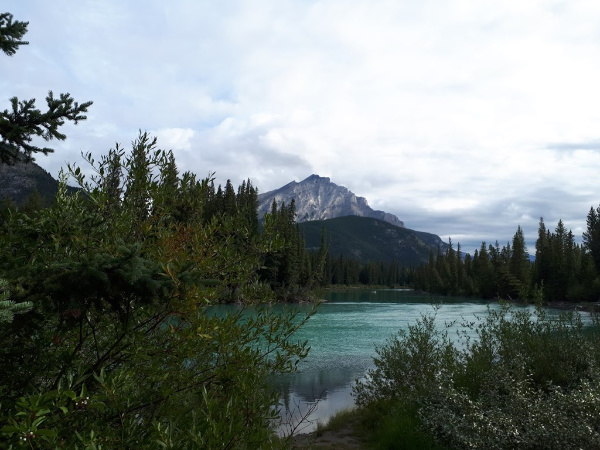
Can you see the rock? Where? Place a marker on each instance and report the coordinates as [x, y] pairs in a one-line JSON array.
[[317, 198]]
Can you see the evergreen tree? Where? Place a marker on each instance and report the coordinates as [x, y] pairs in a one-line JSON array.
[[247, 201], [9, 308], [229, 200], [23, 122], [319, 266], [140, 178], [542, 254], [519, 261], [591, 236], [484, 273]]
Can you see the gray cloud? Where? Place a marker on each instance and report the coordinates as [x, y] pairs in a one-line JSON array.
[[569, 146]]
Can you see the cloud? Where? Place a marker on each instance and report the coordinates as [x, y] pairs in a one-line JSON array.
[[464, 118], [175, 138], [570, 146]]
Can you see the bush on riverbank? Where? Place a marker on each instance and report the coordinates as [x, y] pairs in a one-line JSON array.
[[528, 380]]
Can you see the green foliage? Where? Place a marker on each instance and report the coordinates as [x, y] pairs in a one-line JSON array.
[[391, 426], [526, 381], [122, 349], [368, 239], [11, 34], [591, 237], [290, 270], [8, 308], [567, 270]]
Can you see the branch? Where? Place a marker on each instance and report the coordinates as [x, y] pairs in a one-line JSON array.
[[23, 122], [11, 34]]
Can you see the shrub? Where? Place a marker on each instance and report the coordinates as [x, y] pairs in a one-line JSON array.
[[528, 380]]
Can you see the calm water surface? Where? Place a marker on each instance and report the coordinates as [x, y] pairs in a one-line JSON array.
[[343, 335]]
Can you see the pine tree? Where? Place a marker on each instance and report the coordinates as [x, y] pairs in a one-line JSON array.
[[591, 236], [542, 254], [519, 259], [484, 273], [23, 122], [229, 200]]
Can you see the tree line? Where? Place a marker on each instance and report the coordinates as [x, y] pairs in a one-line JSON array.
[[562, 270]]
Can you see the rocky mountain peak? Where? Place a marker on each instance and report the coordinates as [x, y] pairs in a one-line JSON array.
[[317, 198]]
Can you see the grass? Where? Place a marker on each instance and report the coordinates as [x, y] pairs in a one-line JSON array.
[[382, 426], [391, 425], [338, 421]]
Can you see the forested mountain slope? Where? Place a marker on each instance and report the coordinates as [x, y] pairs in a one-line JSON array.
[[369, 239]]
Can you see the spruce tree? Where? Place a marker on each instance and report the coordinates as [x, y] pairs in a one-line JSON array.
[[23, 121], [591, 236], [519, 259]]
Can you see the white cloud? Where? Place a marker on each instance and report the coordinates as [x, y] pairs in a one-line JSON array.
[[175, 138], [440, 112]]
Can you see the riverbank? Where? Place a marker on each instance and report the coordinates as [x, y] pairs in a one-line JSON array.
[[343, 431], [354, 433], [592, 307]]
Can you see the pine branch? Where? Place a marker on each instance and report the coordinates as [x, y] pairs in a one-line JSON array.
[[23, 122], [8, 308], [11, 34]]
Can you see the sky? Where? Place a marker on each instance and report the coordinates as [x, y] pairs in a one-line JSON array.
[[465, 118]]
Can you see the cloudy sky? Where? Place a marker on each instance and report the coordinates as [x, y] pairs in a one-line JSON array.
[[465, 118]]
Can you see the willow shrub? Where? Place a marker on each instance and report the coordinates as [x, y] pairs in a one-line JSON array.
[[528, 380]]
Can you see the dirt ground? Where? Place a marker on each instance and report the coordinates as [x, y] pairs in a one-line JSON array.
[[343, 438]]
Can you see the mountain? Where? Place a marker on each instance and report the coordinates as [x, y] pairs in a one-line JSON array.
[[317, 198], [19, 181], [370, 239]]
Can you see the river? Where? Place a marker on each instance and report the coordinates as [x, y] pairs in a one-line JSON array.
[[343, 335]]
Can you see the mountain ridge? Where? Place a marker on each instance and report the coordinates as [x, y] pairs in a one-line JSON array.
[[317, 198], [19, 181]]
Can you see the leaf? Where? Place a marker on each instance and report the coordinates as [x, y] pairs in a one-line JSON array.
[[45, 432], [70, 394], [37, 422]]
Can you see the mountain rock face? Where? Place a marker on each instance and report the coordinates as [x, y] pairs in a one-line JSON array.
[[19, 181], [317, 198]]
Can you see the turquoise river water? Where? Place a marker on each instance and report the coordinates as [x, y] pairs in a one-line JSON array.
[[343, 335]]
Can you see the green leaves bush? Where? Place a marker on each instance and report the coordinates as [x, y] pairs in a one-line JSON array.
[[528, 380], [120, 350]]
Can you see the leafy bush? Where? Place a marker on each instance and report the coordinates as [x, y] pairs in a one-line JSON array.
[[119, 350], [527, 380]]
